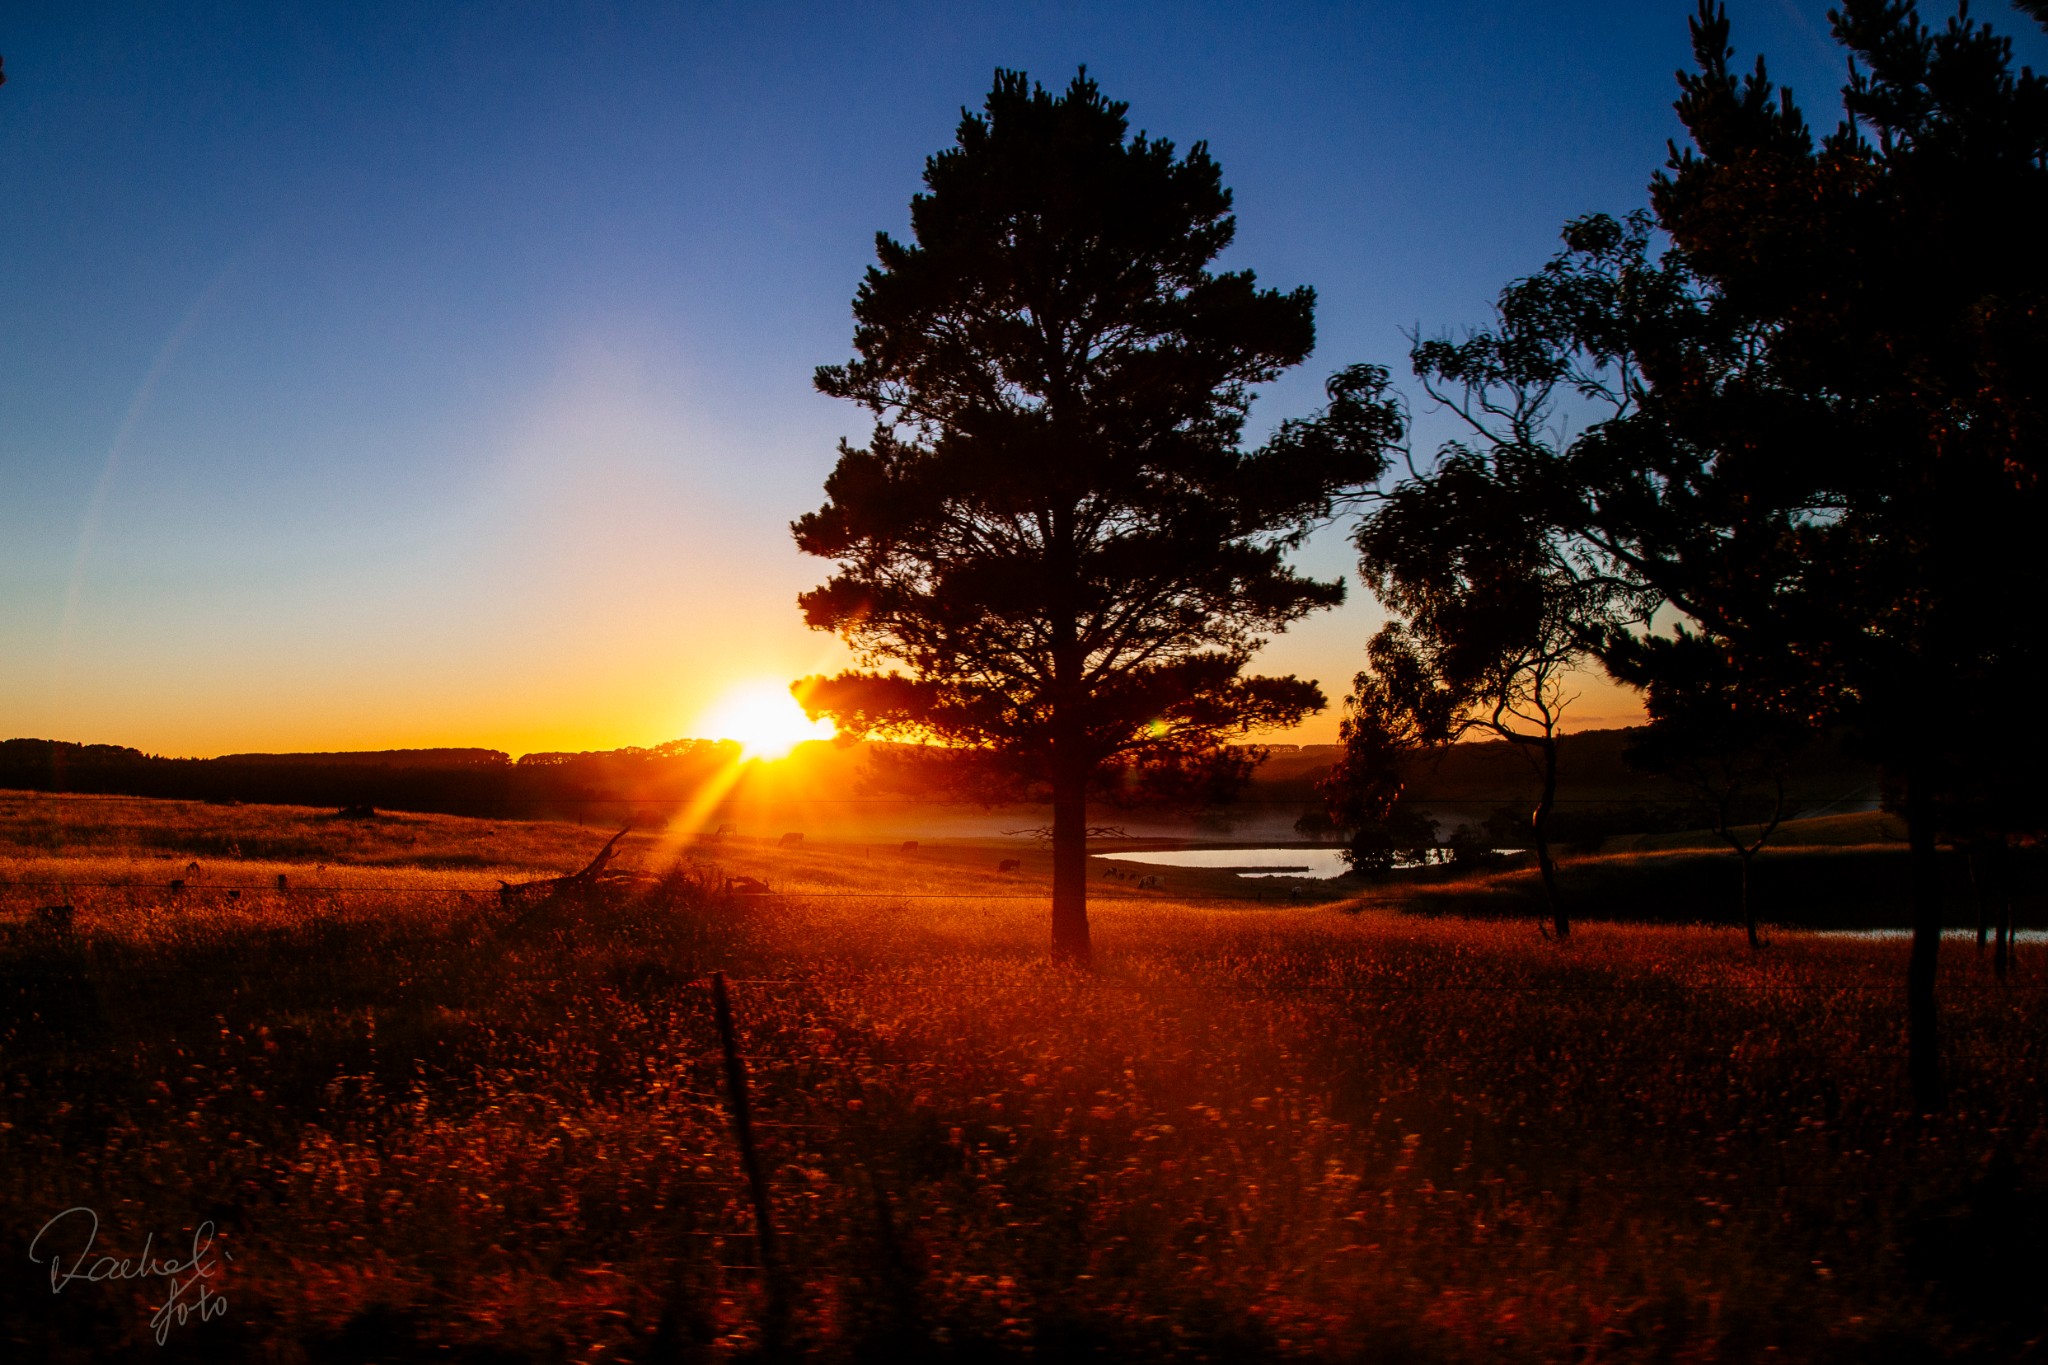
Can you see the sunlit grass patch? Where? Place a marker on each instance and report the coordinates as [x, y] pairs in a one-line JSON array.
[[66, 827]]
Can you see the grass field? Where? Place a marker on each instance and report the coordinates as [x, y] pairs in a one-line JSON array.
[[432, 1127]]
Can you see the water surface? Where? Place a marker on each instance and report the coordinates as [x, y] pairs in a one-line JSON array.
[[1319, 864]]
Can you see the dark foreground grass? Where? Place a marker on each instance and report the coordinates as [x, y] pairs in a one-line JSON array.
[[430, 1129]]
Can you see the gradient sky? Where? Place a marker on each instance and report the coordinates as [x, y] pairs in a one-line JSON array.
[[396, 375]]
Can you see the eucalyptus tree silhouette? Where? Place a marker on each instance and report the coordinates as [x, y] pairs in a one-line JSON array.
[[1498, 596], [1496, 613], [1054, 552]]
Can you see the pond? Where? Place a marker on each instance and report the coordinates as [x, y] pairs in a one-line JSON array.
[[1312, 862], [1316, 863]]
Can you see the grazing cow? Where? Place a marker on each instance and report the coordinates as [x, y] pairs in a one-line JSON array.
[[1009, 864], [909, 846], [790, 840], [177, 883], [192, 869], [1115, 872], [1151, 884], [746, 886], [283, 882], [1295, 893]]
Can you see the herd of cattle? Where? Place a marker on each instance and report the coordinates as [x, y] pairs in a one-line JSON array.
[[794, 839], [743, 886], [1143, 881]]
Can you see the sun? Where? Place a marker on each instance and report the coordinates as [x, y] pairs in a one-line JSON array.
[[765, 720]]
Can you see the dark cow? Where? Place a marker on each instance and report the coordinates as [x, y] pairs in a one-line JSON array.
[[790, 840], [1009, 864]]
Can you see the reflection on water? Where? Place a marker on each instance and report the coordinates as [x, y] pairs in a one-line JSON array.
[[1316, 863], [2019, 935], [1313, 863]]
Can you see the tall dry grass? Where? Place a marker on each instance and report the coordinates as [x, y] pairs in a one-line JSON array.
[[430, 1127]]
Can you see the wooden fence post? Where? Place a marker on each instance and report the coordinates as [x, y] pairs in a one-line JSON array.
[[775, 1318]]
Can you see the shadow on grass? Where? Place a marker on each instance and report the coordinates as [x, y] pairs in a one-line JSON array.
[[1853, 887]]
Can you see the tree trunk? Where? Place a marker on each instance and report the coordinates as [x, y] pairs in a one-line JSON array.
[[2001, 952], [1923, 1036], [1975, 863], [1069, 859], [1071, 766], [2001, 908], [1748, 910], [1539, 828]]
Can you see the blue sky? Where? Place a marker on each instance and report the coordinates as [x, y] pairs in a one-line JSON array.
[[375, 375]]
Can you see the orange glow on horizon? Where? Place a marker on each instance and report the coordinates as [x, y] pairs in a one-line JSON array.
[[764, 719]]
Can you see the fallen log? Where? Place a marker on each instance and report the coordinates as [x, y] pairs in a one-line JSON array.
[[592, 878]]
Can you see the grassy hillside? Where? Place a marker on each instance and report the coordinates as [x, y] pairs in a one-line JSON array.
[[429, 1126], [1805, 887], [1868, 829]]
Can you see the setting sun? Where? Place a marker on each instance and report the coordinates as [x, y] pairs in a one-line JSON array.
[[765, 720]]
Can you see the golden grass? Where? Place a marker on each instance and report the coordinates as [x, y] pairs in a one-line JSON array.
[[63, 828], [433, 1128]]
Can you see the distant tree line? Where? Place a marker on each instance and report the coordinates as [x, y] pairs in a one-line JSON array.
[[481, 782]]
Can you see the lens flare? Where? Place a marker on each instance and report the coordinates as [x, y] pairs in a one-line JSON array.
[[765, 720]]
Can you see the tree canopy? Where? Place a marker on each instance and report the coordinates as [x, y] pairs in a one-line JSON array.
[[1889, 422], [1055, 551], [1818, 422]]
